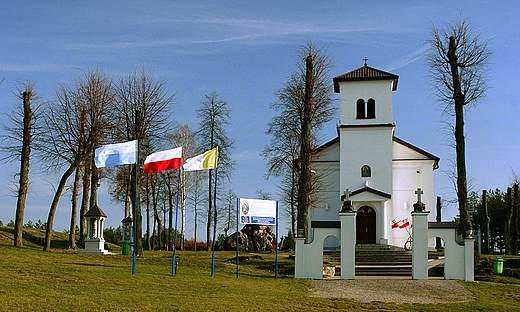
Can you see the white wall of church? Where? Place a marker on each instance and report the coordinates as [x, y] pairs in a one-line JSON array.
[[380, 91], [408, 176], [366, 146]]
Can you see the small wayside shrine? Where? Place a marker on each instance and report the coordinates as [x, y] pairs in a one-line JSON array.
[[370, 179], [95, 242]]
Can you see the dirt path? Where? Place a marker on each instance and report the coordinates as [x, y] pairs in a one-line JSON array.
[[392, 290]]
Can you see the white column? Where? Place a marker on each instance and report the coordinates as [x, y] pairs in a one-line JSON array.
[[95, 228], [469, 261], [101, 225], [299, 258], [90, 235], [348, 245], [384, 237], [420, 245]]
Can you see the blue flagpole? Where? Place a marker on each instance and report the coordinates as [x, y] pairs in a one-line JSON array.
[[214, 225], [174, 264], [237, 234], [276, 246]]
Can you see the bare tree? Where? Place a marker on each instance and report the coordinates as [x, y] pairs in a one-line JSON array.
[[458, 61], [195, 197], [73, 123], [143, 111], [228, 209], [183, 136], [18, 138], [214, 116], [305, 105]]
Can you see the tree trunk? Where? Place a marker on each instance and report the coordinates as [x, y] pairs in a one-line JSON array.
[[148, 236], [507, 222], [87, 175], [54, 205], [195, 216], [514, 222], [458, 97], [138, 219], [438, 218], [74, 212], [487, 232], [305, 152], [24, 169], [183, 211]]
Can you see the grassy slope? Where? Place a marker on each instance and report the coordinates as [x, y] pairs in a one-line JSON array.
[[33, 280]]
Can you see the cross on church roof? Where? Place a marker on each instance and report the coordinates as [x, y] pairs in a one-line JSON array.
[[419, 192], [365, 60]]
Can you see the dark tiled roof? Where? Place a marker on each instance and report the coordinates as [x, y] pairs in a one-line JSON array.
[[365, 73], [95, 211]]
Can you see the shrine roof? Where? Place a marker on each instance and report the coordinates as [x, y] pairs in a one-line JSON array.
[[95, 211]]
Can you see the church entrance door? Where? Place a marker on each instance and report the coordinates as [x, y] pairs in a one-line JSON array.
[[366, 225]]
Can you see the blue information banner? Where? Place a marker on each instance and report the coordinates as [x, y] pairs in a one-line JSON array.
[[256, 211]]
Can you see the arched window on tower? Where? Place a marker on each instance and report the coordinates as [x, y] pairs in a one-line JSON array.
[[371, 109], [366, 171], [360, 109]]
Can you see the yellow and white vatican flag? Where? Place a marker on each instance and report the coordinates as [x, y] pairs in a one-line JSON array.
[[208, 160]]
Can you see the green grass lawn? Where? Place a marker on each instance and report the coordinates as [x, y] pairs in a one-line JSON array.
[[62, 280]]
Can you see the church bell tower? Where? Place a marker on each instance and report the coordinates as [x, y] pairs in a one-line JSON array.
[[366, 128]]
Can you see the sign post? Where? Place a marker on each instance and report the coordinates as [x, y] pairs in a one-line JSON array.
[[258, 212]]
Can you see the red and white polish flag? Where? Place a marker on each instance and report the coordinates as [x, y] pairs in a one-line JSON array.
[[395, 223], [164, 160]]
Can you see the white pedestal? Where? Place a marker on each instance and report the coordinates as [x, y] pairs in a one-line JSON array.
[[94, 246]]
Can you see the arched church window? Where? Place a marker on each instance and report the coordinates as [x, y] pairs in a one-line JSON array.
[[371, 109], [360, 109], [366, 172]]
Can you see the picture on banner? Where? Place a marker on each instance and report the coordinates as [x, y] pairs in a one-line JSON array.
[[256, 211]]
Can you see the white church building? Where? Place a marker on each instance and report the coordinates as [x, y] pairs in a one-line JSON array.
[[367, 164]]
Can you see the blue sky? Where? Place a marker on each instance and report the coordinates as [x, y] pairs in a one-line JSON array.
[[245, 50]]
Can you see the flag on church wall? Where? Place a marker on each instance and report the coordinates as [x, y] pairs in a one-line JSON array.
[[116, 154], [208, 160], [164, 160]]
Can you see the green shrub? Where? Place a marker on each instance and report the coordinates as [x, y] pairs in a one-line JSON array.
[[511, 272], [513, 263]]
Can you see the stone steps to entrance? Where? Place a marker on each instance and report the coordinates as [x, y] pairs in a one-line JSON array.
[[374, 260]]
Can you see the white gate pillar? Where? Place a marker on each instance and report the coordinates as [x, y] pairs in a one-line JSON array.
[[469, 260], [420, 245], [348, 244]]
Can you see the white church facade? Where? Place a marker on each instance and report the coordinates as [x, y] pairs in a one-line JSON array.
[[366, 164]]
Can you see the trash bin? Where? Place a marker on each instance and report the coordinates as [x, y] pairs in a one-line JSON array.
[[125, 248], [498, 265]]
